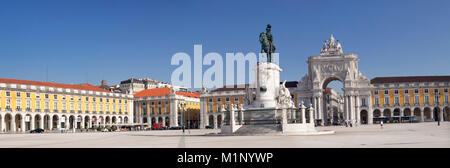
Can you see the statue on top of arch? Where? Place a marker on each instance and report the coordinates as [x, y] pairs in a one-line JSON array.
[[331, 47]]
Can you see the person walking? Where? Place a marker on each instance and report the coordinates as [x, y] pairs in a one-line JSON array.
[[381, 124]]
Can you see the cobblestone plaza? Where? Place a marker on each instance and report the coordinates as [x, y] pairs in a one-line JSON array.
[[418, 135]]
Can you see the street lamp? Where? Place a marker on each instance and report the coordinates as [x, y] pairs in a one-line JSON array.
[[437, 104], [183, 105]]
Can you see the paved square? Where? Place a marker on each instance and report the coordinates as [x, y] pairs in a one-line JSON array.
[[371, 136]]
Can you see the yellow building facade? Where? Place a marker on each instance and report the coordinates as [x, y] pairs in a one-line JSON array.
[[414, 99], [160, 108], [27, 105]]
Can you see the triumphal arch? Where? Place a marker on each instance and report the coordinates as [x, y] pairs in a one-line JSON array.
[[332, 64]]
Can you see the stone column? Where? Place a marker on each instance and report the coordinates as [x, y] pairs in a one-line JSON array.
[[320, 112], [311, 111], [3, 126], [421, 116], [58, 123], [215, 121], [358, 113], [173, 112], [302, 111], [345, 107], [32, 120], [370, 112], [284, 116], [315, 108], [401, 112], [232, 115], [148, 111], [202, 113], [352, 109], [441, 115], [22, 125], [13, 122]]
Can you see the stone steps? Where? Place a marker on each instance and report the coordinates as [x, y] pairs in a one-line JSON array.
[[259, 129]]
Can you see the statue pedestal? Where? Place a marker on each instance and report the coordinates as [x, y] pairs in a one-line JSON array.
[[267, 85]]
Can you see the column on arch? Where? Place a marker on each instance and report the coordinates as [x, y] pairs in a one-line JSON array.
[[358, 113], [203, 117], [173, 112]]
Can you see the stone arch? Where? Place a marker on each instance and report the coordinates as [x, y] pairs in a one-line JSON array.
[[167, 121], [407, 112], [145, 120], [107, 120], [28, 121], [125, 120], [8, 118], [64, 121], [120, 119], [101, 120], [55, 121], [71, 122], [211, 120], [47, 122], [436, 113], [396, 112], [417, 112], [18, 122], [364, 116], [219, 121], [96, 121], [86, 121], [376, 113], [37, 121], [153, 120], [114, 120], [446, 115], [387, 113], [427, 113]]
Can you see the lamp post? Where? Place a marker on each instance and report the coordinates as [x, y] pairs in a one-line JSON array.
[[437, 104], [183, 105]]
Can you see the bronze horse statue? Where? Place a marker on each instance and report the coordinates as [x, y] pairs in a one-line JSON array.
[[266, 43]]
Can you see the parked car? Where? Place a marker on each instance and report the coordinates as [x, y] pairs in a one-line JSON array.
[[105, 130], [209, 127], [37, 130]]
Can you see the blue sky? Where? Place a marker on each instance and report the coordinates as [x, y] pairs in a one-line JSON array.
[[91, 40]]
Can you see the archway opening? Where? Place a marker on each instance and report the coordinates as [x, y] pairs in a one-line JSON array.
[[407, 112], [211, 121], [8, 122], [167, 121], [219, 121], [427, 114], [364, 117], [28, 120], [55, 121], [19, 126], [436, 113], [332, 103], [376, 116], [37, 121], [447, 113], [46, 122]]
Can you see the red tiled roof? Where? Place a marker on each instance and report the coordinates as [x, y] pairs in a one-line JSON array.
[[56, 85], [164, 91], [402, 79]]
